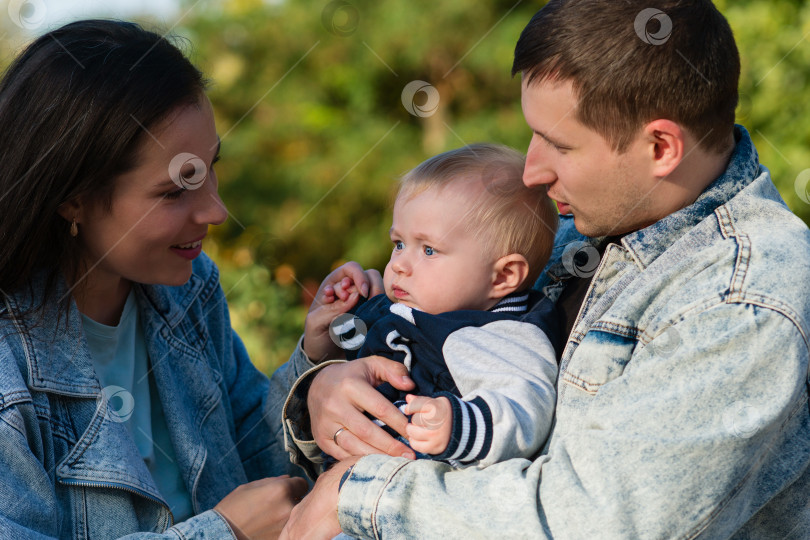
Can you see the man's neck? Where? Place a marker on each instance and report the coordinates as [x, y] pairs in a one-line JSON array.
[[701, 168]]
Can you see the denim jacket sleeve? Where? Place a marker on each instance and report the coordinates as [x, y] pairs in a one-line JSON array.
[[260, 459], [298, 440], [28, 503], [687, 460]]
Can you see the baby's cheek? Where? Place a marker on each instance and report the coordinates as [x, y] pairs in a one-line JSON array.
[[388, 278]]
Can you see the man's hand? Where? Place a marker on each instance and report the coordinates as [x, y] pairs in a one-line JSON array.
[[337, 294], [431, 424], [260, 509], [337, 398], [316, 517]]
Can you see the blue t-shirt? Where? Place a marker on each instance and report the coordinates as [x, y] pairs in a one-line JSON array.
[[120, 359]]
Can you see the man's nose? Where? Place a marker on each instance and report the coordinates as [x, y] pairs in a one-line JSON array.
[[538, 170]]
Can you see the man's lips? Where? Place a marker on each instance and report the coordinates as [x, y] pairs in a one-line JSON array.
[[562, 207]]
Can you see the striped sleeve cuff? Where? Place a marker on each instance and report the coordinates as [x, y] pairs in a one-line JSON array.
[[471, 434]]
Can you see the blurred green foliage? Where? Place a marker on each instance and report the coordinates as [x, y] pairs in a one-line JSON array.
[[314, 133]]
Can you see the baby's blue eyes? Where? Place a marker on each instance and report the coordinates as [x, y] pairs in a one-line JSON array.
[[400, 245]]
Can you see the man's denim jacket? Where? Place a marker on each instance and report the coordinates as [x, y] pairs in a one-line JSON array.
[[682, 407], [69, 469]]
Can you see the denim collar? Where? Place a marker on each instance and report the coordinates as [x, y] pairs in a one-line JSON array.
[[645, 245], [57, 356]]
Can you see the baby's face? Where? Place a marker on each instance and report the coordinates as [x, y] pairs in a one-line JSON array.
[[436, 265]]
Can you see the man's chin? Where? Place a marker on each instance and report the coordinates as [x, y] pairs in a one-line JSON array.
[[593, 230], [588, 229]]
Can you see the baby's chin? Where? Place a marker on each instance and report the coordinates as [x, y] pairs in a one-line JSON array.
[[404, 302], [417, 307], [431, 310]]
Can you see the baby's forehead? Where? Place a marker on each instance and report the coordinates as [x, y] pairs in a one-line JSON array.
[[460, 205], [461, 189]]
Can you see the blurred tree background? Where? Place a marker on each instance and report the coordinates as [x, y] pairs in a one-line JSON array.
[[315, 130]]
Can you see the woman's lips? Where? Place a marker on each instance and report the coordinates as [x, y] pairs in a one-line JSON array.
[[188, 251], [189, 254]]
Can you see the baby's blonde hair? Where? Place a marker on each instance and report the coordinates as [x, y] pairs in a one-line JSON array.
[[509, 217]]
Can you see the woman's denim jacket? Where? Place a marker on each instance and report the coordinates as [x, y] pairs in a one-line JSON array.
[[69, 468], [682, 407]]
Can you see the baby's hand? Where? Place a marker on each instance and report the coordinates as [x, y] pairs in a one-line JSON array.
[[431, 424], [337, 294], [342, 290]]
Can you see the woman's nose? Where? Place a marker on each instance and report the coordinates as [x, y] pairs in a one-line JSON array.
[[211, 209]]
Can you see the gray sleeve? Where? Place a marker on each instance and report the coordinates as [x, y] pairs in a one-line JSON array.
[[511, 367]]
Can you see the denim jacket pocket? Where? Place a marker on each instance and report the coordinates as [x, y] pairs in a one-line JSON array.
[[600, 358]]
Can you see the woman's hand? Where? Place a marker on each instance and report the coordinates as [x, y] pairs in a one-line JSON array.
[[260, 509], [316, 518], [337, 294], [339, 395]]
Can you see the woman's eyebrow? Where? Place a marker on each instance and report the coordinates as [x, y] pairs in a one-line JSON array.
[[169, 182]]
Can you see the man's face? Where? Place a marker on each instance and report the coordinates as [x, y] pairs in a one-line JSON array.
[[608, 193]]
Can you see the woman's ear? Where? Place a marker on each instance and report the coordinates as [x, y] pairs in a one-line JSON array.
[[509, 273], [667, 141], [71, 210]]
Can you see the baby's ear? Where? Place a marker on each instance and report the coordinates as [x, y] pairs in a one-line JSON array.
[[509, 273]]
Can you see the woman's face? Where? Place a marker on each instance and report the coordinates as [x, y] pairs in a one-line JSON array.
[[161, 209]]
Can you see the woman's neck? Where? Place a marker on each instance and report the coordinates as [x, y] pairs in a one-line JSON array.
[[102, 299]]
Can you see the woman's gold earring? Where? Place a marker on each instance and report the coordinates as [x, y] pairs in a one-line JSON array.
[[74, 229]]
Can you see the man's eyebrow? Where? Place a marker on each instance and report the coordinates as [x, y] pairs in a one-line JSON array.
[[551, 140]]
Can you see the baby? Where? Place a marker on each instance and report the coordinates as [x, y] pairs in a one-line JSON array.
[[469, 240]]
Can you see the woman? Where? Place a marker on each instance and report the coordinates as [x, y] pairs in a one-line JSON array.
[[128, 404]]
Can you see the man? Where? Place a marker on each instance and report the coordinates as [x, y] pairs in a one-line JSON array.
[[682, 406]]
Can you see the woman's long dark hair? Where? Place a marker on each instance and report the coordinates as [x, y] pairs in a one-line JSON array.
[[73, 108]]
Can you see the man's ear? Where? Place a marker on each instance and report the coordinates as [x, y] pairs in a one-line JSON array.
[[667, 141], [509, 273]]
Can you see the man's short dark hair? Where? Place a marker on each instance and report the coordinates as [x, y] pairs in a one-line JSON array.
[[631, 62]]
